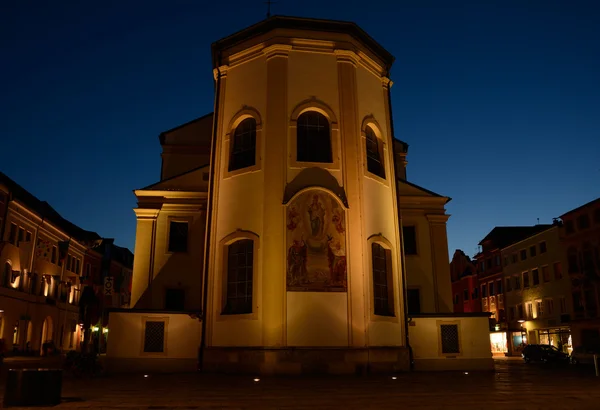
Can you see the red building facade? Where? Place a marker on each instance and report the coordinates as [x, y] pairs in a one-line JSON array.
[[465, 284], [580, 238]]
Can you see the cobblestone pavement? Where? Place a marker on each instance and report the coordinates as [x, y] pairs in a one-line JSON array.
[[513, 385]]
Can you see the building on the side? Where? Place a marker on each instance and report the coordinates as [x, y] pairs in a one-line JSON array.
[[273, 241], [42, 257], [490, 275], [104, 260], [536, 292], [580, 238], [465, 283]]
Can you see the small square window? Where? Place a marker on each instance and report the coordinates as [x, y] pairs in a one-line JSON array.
[[178, 236], [532, 251], [154, 337], [449, 336], [543, 247]]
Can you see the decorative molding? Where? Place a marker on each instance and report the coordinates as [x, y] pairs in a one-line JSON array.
[[222, 69], [277, 50], [145, 213], [347, 56], [437, 218]]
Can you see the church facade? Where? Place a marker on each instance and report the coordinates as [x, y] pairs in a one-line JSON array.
[[273, 241]]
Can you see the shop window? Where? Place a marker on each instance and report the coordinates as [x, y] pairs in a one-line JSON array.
[[546, 273], [543, 248], [154, 337], [178, 237], [449, 336], [535, 275], [409, 234]]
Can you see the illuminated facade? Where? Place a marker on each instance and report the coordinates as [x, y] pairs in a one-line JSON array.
[[580, 239], [537, 291], [289, 228], [465, 283]]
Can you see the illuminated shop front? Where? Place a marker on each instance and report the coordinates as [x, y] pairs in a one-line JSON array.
[[557, 337], [498, 343]]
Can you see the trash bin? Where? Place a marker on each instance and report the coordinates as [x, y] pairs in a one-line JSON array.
[[33, 387]]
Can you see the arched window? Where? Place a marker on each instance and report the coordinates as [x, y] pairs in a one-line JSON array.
[[383, 289], [374, 157], [313, 138], [240, 266], [243, 151]]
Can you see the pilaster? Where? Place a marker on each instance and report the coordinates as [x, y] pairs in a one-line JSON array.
[[144, 251], [274, 267]]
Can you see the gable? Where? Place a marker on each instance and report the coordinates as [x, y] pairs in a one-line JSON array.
[[194, 180]]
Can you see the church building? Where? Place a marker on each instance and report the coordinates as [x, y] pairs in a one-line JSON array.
[[273, 242]]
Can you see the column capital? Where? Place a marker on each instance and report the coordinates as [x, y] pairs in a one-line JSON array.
[[222, 69], [145, 213], [346, 56], [277, 50], [386, 82], [437, 218]]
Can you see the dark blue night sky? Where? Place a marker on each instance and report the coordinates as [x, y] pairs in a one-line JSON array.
[[499, 100]]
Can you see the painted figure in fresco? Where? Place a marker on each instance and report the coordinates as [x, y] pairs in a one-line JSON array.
[[337, 262], [297, 255], [316, 213], [338, 220], [292, 218]]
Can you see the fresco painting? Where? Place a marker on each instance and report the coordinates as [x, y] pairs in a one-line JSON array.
[[316, 244]]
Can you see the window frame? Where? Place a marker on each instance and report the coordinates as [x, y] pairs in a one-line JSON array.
[[232, 151], [176, 219], [370, 123], [314, 104], [439, 324], [223, 269], [165, 320], [236, 120], [227, 254], [389, 280]]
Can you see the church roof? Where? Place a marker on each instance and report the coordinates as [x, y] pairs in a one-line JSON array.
[[300, 23], [163, 134], [425, 190], [160, 185]]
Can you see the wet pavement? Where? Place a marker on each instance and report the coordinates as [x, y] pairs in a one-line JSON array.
[[513, 385]]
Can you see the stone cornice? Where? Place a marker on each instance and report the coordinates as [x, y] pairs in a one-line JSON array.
[[145, 213], [346, 56], [277, 50], [222, 69], [140, 193], [437, 218]]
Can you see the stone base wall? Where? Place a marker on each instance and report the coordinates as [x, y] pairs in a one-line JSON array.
[[306, 360]]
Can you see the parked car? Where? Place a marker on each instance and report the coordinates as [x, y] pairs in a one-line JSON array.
[[584, 355], [544, 354]]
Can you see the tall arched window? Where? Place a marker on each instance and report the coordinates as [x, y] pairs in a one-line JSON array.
[[374, 157], [313, 138], [243, 151], [383, 289], [240, 266]]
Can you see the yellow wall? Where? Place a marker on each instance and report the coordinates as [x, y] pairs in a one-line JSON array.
[[474, 340], [126, 333]]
